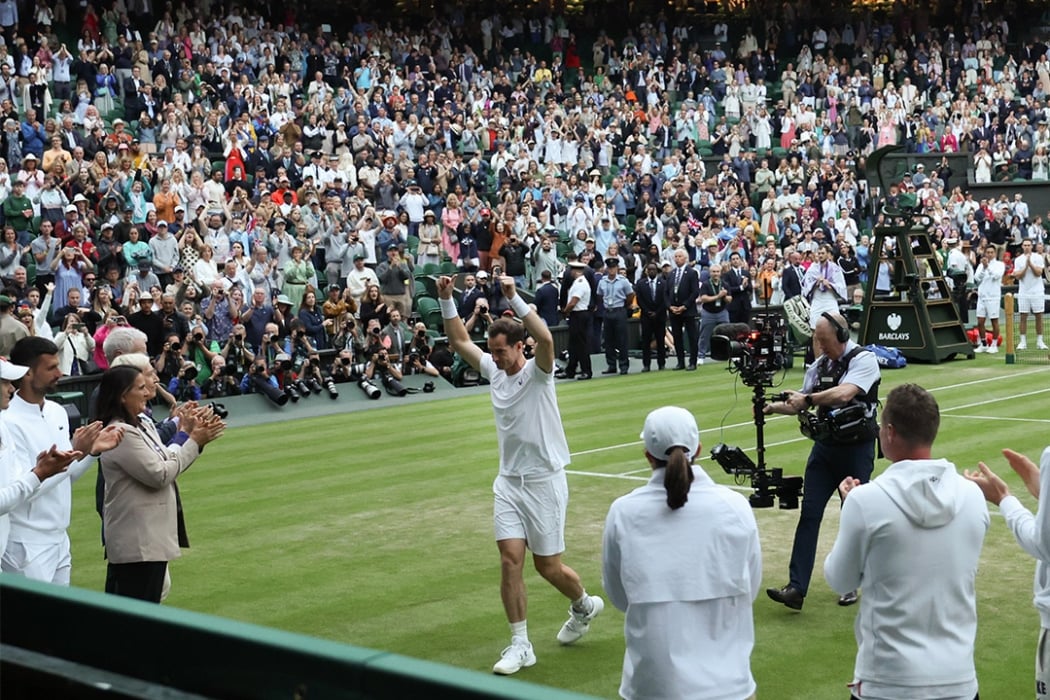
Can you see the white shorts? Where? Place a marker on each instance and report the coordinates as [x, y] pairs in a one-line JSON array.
[[40, 562], [1042, 665], [532, 509], [987, 308], [1031, 304]]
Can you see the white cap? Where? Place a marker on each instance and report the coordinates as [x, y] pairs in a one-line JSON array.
[[669, 427], [12, 372]]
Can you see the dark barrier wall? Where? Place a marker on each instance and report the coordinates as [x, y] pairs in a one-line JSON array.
[[58, 642]]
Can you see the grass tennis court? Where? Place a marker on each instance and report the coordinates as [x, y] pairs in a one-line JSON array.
[[374, 527]]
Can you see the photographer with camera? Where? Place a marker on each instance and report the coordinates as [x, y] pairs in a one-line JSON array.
[[417, 355], [382, 367], [842, 385], [183, 386], [222, 382], [477, 324], [236, 353], [169, 361], [259, 380]]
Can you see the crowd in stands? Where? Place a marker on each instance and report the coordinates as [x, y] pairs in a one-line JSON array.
[[250, 192]]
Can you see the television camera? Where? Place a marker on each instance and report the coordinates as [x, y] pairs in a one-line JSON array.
[[756, 354]]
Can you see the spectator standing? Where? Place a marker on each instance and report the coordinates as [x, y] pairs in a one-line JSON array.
[[38, 547], [913, 539], [681, 557]]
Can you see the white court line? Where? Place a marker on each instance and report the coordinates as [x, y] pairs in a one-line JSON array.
[[1019, 420], [622, 445]]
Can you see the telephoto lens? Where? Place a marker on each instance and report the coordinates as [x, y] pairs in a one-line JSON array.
[[303, 390], [292, 393], [219, 410], [370, 389], [315, 385], [333, 391]]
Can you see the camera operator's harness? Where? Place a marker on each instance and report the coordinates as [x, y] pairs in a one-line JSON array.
[[850, 424]]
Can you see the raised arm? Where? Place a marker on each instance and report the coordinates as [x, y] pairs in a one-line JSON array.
[[458, 337], [535, 325]]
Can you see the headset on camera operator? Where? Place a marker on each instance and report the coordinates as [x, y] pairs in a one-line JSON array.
[[842, 387]]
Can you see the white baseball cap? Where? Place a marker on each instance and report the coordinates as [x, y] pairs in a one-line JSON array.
[[668, 427], [12, 372]]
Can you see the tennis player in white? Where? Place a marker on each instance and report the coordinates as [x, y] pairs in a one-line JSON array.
[[531, 492]]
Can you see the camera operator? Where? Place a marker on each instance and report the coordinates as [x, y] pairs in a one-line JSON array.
[[258, 380], [169, 361], [222, 382], [196, 349], [343, 369], [380, 367], [183, 386], [480, 319], [236, 354], [373, 340], [845, 374], [417, 356], [346, 336]]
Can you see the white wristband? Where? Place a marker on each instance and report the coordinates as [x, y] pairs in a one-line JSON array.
[[521, 308], [448, 308]]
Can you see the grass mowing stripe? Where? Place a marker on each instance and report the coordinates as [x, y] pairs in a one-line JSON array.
[[374, 527]]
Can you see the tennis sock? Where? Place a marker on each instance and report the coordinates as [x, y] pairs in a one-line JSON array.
[[582, 604], [519, 630]]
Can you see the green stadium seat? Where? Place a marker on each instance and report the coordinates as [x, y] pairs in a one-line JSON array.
[[430, 312], [431, 269], [412, 245], [449, 268]]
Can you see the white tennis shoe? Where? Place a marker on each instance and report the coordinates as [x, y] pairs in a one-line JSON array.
[[578, 623]]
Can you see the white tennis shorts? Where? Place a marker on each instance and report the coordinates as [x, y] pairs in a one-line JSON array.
[[987, 308], [532, 508], [1032, 304]]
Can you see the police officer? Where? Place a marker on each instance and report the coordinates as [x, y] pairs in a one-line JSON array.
[[577, 309], [844, 374], [617, 296]]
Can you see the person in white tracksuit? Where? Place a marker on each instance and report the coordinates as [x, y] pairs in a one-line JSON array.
[[1033, 534], [912, 539], [681, 557]]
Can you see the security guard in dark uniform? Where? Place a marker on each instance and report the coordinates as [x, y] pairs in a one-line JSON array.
[[842, 385]]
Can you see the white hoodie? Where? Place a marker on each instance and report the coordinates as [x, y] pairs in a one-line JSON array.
[[912, 539], [1033, 534]]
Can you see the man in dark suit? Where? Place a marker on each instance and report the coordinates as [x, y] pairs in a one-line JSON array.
[[650, 293], [546, 300], [738, 282], [791, 280], [682, 290]]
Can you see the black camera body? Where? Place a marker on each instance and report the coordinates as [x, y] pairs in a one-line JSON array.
[[768, 485], [756, 353]]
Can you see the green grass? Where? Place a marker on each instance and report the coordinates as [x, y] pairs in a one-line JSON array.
[[374, 527]]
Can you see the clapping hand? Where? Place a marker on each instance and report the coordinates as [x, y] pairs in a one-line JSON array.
[[54, 461]]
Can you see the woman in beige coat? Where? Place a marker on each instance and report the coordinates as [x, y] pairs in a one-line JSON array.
[[140, 513]]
